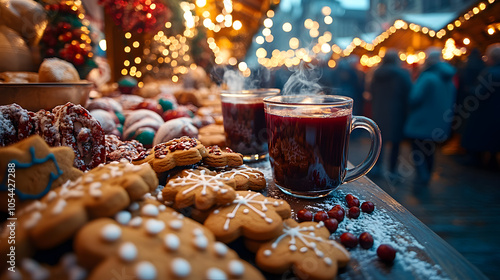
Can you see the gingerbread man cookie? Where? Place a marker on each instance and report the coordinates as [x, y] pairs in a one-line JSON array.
[[217, 157], [199, 187], [245, 178], [306, 249], [30, 168], [159, 243], [251, 215], [177, 152], [56, 217]]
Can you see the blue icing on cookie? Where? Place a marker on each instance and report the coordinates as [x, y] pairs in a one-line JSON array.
[[19, 165]]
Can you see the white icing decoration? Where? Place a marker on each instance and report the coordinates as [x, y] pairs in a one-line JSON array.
[[159, 197], [216, 274], [175, 224], [246, 211], [216, 211], [105, 176], [328, 261], [77, 273], [243, 171], [172, 242], [293, 248], [134, 206], [197, 231], [220, 249], [88, 179], [236, 268], [123, 217], [162, 208], [154, 226], [51, 195], [33, 220], [145, 271], [247, 202], [267, 253], [111, 232], [128, 252], [114, 171], [201, 242], [94, 189], [196, 181], [59, 207], [303, 249], [150, 210], [180, 267], [135, 222], [35, 270]]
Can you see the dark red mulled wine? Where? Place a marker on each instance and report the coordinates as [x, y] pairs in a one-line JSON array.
[[308, 154], [245, 127]]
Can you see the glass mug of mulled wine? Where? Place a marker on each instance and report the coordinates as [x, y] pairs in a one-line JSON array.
[[309, 140], [245, 122]]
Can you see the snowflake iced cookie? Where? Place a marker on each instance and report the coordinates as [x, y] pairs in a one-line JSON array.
[[177, 152], [199, 187], [245, 178], [56, 217], [251, 215], [30, 168], [159, 243], [217, 157], [306, 249]]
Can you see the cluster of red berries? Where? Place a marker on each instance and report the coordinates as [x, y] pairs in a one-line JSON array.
[[334, 216]]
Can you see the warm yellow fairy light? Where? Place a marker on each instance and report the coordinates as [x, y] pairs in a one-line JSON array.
[[168, 24], [127, 49], [269, 38], [466, 41], [201, 3], [287, 27], [237, 25], [325, 48], [266, 31], [175, 79], [136, 44], [140, 84], [270, 13], [314, 33], [268, 22], [293, 43], [326, 11], [308, 23], [128, 35], [242, 66], [259, 40], [124, 72], [261, 52], [328, 20], [232, 61], [432, 33], [126, 63], [491, 31]]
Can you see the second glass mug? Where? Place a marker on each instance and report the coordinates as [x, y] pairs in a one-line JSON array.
[[308, 143], [244, 121]]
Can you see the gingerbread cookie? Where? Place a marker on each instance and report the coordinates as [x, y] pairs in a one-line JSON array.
[[306, 249], [177, 152], [245, 178], [56, 217], [212, 134], [67, 268], [30, 169], [157, 244], [251, 215], [217, 157], [199, 187]]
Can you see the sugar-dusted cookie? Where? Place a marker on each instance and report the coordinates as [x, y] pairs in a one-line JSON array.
[[251, 215], [159, 243], [30, 169], [56, 217], [217, 157], [306, 249], [245, 178], [177, 152], [117, 149], [199, 187]]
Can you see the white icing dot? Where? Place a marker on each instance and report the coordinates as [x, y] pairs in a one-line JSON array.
[[216, 211], [159, 196], [162, 208], [145, 271], [246, 211], [198, 232], [134, 206], [33, 220], [59, 207], [123, 217], [319, 253], [328, 261], [223, 191], [51, 195], [267, 253], [135, 222], [111, 232], [220, 249], [128, 252], [150, 210], [293, 248], [34, 269], [181, 267], [236, 268], [154, 226], [303, 249], [175, 224], [88, 179], [276, 204], [172, 242], [77, 273], [201, 242], [216, 274], [105, 176]]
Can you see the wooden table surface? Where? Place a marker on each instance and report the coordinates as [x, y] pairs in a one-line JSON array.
[[422, 254]]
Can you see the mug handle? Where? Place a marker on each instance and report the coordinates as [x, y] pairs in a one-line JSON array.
[[376, 143]]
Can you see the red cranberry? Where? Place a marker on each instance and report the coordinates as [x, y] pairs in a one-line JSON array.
[[320, 216], [331, 225], [352, 200], [386, 253], [367, 207], [349, 240], [365, 240], [304, 215], [337, 212], [353, 212]]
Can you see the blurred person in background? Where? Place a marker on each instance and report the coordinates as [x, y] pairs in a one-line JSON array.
[[430, 98], [389, 88], [481, 136]]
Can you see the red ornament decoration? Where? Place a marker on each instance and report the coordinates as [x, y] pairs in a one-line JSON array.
[[138, 15]]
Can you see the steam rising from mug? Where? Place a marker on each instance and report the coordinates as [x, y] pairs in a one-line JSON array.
[[303, 81]]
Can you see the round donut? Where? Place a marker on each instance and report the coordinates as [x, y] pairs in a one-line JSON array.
[[16, 123], [80, 131]]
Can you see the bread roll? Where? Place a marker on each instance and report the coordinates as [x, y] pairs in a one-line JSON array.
[[57, 70]]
